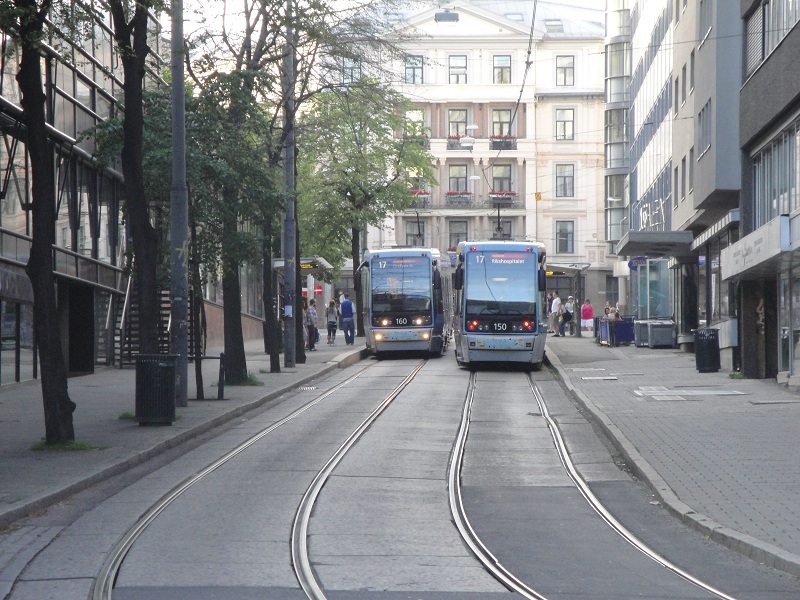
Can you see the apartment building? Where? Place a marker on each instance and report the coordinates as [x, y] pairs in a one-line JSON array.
[[515, 120]]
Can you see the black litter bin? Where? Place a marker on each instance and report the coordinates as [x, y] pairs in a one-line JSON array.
[[706, 350], [155, 388]]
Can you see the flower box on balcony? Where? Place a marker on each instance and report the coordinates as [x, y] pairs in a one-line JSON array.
[[454, 142], [503, 143]]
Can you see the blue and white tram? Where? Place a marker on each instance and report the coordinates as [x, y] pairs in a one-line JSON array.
[[500, 312], [407, 300]]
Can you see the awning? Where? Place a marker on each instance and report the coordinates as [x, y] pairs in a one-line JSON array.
[[313, 265], [656, 244]]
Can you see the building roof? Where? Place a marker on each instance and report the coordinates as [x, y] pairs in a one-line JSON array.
[[553, 19]]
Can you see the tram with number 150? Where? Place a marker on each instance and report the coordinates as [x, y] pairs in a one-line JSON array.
[[407, 300], [500, 312]]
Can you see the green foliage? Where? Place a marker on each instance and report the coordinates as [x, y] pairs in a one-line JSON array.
[[250, 380], [356, 163], [127, 416]]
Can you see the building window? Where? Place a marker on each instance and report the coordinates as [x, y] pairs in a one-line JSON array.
[[415, 233], [565, 237], [675, 181], [502, 68], [683, 85], [565, 70], [704, 128], [458, 233], [676, 96], [565, 124], [501, 122], [691, 168], [457, 122], [683, 178], [414, 69], [691, 72], [457, 178], [504, 232], [705, 18], [351, 71], [565, 181], [501, 178], [458, 69]]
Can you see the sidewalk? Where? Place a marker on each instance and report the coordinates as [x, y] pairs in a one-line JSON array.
[[721, 453], [30, 480]]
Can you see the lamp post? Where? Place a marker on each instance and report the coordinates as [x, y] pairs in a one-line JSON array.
[[289, 221], [179, 214]]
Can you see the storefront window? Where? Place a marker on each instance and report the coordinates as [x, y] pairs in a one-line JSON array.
[[792, 309]]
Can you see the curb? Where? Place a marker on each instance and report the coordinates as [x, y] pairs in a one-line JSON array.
[[758, 550], [46, 499]]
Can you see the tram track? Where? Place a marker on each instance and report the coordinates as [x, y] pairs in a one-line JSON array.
[[492, 564], [301, 562], [110, 569]]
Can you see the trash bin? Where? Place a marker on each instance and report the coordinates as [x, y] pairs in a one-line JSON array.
[[640, 333], [660, 334], [155, 388], [706, 350]]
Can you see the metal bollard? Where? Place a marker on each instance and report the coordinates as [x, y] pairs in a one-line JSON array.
[[221, 382]]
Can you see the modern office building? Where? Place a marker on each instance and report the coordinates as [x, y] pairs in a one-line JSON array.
[[83, 86], [515, 116]]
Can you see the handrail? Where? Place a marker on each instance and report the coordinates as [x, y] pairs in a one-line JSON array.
[[124, 320]]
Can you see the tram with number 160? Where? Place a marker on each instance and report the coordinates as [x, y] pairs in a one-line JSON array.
[[500, 312], [407, 300]]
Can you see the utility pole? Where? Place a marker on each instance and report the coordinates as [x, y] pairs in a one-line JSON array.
[[179, 215], [289, 221]]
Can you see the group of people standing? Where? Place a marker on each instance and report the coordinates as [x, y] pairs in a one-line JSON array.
[[561, 315], [338, 313]]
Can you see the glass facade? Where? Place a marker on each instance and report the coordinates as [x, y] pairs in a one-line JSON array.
[[776, 176]]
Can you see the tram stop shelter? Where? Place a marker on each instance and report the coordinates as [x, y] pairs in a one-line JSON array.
[[576, 272]]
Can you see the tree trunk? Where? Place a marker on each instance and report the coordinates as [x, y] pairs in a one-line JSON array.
[[58, 407], [355, 253], [271, 345], [145, 236], [299, 323], [235, 360], [197, 318]]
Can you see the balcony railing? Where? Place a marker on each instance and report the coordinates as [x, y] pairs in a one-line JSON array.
[[503, 198], [454, 143], [422, 199], [503, 143], [459, 199]]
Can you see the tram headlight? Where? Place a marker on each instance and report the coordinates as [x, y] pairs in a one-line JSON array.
[[378, 337], [385, 322], [426, 336], [419, 321], [473, 325]]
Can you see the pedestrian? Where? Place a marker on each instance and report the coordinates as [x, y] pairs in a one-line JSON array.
[[303, 321], [332, 319], [312, 321], [587, 316], [568, 315], [348, 324], [555, 314], [548, 312]]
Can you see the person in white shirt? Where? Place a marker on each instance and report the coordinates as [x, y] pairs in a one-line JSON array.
[[555, 313]]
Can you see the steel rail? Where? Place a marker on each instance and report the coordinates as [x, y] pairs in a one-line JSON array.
[[598, 507], [108, 572], [304, 572], [471, 539]]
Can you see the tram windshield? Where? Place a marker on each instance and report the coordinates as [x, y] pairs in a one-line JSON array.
[[500, 283], [401, 284]]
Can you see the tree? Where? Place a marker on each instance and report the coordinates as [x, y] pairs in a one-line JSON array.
[[242, 54], [24, 20], [358, 155], [131, 36]]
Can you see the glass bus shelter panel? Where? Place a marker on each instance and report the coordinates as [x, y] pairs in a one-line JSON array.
[[654, 286]]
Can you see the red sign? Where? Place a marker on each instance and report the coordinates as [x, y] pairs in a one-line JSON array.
[[318, 290]]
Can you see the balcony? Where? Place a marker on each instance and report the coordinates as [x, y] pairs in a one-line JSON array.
[[421, 140], [504, 198], [459, 199], [422, 199], [503, 142], [454, 142]]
